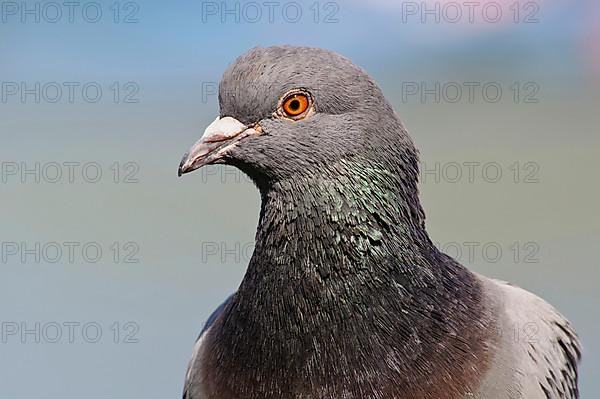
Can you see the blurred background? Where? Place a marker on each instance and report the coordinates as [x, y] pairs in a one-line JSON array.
[[110, 264]]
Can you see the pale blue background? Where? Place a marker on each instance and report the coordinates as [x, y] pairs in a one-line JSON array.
[[175, 285]]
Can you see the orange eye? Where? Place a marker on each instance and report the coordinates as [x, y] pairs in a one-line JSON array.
[[295, 104]]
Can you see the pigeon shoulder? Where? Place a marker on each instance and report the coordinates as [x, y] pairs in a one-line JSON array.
[[192, 384], [538, 350]]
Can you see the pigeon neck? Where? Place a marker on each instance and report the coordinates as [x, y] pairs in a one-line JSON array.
[[357, 200], [352, 222]]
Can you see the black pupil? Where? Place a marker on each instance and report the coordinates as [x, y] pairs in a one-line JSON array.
[[294, 105]]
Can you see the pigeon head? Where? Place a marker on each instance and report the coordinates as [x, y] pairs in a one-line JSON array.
[[287, 112]]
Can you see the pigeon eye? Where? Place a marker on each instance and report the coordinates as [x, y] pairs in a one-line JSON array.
[[295, 104]]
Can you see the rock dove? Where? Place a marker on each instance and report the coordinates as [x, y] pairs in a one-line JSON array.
[[345, 295]]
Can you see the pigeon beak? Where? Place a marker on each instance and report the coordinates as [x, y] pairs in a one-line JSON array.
[[219, 136]]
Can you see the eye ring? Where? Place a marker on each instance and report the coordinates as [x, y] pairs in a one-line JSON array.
[[295, 105]]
